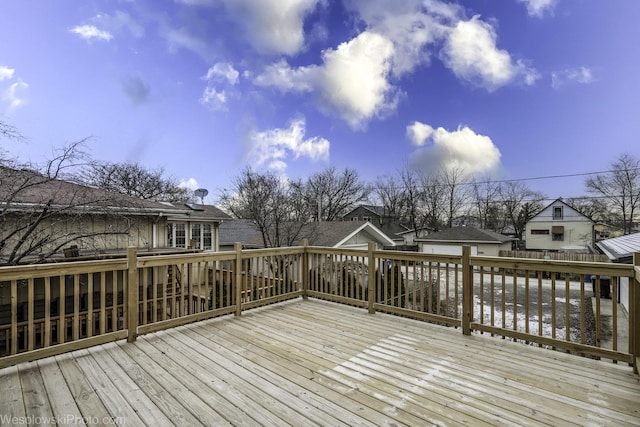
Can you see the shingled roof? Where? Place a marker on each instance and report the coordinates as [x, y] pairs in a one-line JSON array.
[[22, 189], [332, 233], [466, 234]]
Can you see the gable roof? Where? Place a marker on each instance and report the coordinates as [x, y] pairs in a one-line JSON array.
[[242, 231], [621, 249], [336, 233], [377, 210], [466, 234], [23, 189], [556, 201]]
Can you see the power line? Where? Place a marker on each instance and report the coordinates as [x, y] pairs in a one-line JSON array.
[[501, 181]]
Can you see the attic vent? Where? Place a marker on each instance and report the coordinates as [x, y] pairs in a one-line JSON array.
[[194, 207]]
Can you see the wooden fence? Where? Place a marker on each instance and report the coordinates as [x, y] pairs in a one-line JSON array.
[[554, 256], [50, 309]]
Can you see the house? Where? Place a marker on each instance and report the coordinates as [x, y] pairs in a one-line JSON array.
[[381, 218], [465, 221], [451, 241], [559, 227], [344, 234], [409, 236], [42, 216], [620, 250], [603, 231], [243, 231], [195, 228]]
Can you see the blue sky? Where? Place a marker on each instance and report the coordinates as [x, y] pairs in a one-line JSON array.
[[505, 89]]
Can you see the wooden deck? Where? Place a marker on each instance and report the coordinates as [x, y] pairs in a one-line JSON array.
[[319, 363]]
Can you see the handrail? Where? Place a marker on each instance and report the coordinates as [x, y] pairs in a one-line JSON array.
[[481, 294]]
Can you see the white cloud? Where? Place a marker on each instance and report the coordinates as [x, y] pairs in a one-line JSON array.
[[273, 26], [219, 73], [181, 38], [464, 149], [222, 71], [355, 78], [216, 101], [470, 51], [91, 32], [580, 75], [287, 79], [11, 98], [538, 8], [119, 21], [412, 26], [352, 83], [6, 72], [273, 147], [419, 132], [189, 183]]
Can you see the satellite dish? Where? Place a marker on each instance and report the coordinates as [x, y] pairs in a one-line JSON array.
[[201, 193]]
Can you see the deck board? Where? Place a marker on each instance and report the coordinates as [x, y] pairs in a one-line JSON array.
[[319, 363]]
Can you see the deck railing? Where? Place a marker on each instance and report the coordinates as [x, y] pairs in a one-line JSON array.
[[50, 309]]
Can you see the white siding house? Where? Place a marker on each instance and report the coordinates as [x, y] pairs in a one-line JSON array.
[[559, 227], [451, 241]]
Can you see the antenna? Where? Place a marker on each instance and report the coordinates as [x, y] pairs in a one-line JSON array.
[[201, 193]]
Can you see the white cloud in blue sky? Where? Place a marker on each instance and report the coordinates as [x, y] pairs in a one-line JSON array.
[[539, 8], [6, 72], [91, 32], [472, 54], [201, 79], [273, 26], [568, 76], [11, 94], [275, 147], [219, 74], [352, 82], [463, 149]]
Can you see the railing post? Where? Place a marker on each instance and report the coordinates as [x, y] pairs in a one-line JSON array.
[[634, 315], [467, 290], [371, 285], [305, 269], [238, 281], [132, 294]]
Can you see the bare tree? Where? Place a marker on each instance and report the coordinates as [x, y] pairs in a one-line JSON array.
[[270, 202], [486, 198], [620, 187], [390, 193], [520, 204], [456, 193], [40, 212], [135, 180], [412, 200], [595, 208], [434, 201], [9, 132], [332, 194]]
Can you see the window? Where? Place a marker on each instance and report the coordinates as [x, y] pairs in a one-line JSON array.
[[354, 218], [366, 218], [557, 233], [557, 212], [540, 232], [196, 235], [201, 236], [207, 240], [176, 235]]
